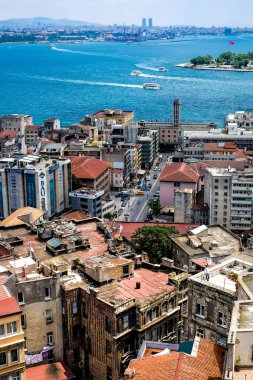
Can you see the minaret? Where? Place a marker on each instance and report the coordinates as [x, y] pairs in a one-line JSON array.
[[176, 109]]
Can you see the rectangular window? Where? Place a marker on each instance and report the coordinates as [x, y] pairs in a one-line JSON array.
[[108, 347], [3, 360], [23, 321], [126, 322], [200, 333], [108, 326], [21, 299], [12, 328], [85, 309], [126, 349], [222, 341], [50, 341], [74, 307], [125, 269], [14, 355], [49, 316], [176, 184], [25, 343], [222, 319], [2, 333], [47, 293], [200, 310]]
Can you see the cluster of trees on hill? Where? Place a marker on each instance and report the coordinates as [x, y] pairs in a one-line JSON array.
[[226, 58]]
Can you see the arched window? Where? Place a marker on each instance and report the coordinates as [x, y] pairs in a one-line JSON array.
[[155, 312], [148, 316], [164, 307], [200, 333]]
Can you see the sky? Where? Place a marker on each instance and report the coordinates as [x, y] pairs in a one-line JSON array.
[[164, 12]]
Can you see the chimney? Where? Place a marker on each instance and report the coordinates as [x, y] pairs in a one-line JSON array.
[[176, 109], [129, 373], [138, 285]]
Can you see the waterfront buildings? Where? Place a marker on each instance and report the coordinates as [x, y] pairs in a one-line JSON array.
[[15, 122], [34, 181], [242, 119]]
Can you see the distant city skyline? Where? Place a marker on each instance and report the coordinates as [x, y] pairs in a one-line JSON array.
[[163, 12]]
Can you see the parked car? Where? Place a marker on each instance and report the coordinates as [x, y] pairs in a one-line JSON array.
[[139, 192], [155, 176], [118, 195], [120, 211], [123, 204]]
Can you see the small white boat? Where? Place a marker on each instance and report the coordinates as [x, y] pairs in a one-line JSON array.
[[152, 86], [136, 72], [163, 69]]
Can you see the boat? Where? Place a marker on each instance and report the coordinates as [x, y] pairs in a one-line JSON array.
[[163, 69], [136, 72], [152, 86]]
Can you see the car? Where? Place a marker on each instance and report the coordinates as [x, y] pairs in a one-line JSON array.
[[139, 192], [120, 211], [118, 195], [155, 176], [149, 186], [154, 169], [148, 178], [159, 169], [123, 204]]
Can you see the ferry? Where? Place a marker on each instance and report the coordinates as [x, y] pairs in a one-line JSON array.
[[152, 86], [136, 72], [163, 69]]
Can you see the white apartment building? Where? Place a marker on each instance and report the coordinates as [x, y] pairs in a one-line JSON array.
[[229, 195], [243, 119]]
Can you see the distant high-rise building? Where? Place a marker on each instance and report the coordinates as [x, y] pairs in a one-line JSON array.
[[150, 23], [144, 23]]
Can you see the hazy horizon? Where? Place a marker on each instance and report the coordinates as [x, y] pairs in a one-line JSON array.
[[107, 12]]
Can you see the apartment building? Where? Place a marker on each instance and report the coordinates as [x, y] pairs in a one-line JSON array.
[[228, 193], [93, 173], [88, 200], [148, 139], [242, 119], [15, 122], [119, 158], [12, 356], [135, 157], [108, 117], [34, 181], [32, 133]]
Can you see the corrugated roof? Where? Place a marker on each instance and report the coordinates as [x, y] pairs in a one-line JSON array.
[[13, 219]]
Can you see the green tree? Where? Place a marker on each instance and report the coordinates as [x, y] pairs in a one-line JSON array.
[[110, 215], [154, 204], [154, 240], [202, 60], [225, 58]]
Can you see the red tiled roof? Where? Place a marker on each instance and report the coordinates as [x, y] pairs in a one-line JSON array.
[[51, 119], [47, 372], [8, 133], [8, 306], [33, 128], [85, 167], [129, 228], [214, 147], [116, 171], [207, 365], [179, 172], [240, 154], [76, 215], [151, 283]]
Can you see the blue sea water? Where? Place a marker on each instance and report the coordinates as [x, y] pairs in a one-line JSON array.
[[71, 81]]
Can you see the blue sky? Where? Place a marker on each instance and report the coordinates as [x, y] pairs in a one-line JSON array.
[[164, 12]]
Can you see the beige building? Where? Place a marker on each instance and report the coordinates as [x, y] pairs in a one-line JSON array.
[[12, 358], [15, 122]]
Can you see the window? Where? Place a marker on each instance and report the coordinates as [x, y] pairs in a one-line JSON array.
[[222, 319], [216, 181], [108, 347], [50, 341], [200, 333], [164, 307], [109, 373], [3, 360], [75, 332], [2, 333], [176, 184], [21, 299], [126, 322], [200, 310], [25, 343], [49, 316], [4, 377], [85, 309], [47, 293], [74, 307], [216, 193], [14, 355], [126, 349], [149, 316], [155, 312], [108, 326], [222, 341], [23, 321], [12, 328], [125, 269]]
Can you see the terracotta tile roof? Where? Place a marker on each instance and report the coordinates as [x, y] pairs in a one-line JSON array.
[[178, 172], [151, 283], [87, 167], [76, 215], [8, 133], [214, 147], [8, 303], [33, 128], [240, 154], [207, 365], [46, 372], [129, 228]]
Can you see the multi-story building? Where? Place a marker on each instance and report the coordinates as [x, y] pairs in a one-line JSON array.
[[33, 181], [228, 193], [107, 117], [116, 179], [148, 139], [92, 173], [15, 122], [88, 200], [32, 133], [39, 298], [144, 23], [150, 23], [50, 125], [135, 157], [77, 147], [119, 158], [242, 119], [116, 311], [12, 357]]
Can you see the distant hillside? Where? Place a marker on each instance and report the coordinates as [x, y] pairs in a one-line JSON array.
[[40, 21]]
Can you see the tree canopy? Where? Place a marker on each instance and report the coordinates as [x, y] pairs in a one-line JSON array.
[[154, 204], [225, 58], [154, 240]]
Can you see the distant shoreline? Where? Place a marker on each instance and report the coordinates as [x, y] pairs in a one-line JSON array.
[[211, 68]]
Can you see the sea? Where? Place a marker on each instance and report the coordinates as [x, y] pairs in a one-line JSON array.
[[73, 80]]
